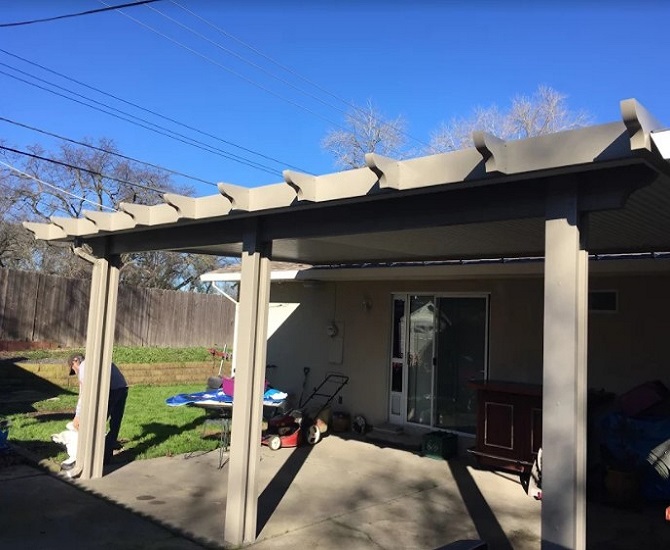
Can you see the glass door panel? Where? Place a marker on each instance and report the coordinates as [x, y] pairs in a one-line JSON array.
[[460, 326], [421, 353], [397, 360]]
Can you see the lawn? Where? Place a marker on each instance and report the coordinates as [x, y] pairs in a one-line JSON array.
[[122, 354], [150, 428]]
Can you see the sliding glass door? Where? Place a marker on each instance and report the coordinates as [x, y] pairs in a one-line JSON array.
[[441, 346], [420, 359], [461, 353]]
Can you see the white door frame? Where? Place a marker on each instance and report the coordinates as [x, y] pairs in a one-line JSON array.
[[401, 418]]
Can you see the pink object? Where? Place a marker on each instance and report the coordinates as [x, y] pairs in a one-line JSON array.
[[228, 386]]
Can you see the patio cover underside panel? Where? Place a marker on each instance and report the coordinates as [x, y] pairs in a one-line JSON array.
[[642, 226]]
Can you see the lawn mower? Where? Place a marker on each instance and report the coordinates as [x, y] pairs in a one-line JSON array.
[[305, 424]]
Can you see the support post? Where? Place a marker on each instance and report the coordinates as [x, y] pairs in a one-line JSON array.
[[564, 375], [99, 345], [250, 350]]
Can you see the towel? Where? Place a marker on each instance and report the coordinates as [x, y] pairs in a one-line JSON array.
[[68, 438]]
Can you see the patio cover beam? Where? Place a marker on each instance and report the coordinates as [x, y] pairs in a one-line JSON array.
[[251, 349], [606, 188], [564, 375]]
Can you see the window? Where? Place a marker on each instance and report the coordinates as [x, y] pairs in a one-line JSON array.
[[603, 301]]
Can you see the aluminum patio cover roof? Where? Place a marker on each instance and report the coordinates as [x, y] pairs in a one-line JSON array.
[[484, 202]]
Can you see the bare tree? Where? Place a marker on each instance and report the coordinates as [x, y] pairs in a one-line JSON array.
[[367, 131], [544, 112], [78, 178]]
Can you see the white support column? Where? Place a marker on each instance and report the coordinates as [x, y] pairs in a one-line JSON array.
[[99, 344], [565, 377], [250, 349]]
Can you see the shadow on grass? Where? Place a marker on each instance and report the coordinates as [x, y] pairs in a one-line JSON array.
[[20, 389], [53, 416], [40, 450], [156, 433]]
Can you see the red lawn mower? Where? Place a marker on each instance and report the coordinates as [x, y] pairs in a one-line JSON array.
[[304, 424]]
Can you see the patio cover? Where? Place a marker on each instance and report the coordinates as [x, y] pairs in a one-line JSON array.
[[600, 189]]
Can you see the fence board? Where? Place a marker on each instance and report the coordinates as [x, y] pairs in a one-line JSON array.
[[4, 280], [131, 316], [37, 307], [19, 302], [62, 309]]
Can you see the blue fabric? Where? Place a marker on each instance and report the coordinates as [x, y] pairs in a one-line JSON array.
[[271, 395], [187, 398], [641, 444]]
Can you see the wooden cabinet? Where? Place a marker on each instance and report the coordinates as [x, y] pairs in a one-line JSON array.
[[509, 424]]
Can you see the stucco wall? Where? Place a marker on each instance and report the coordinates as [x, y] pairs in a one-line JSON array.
[[631, 346], [301, 340], [625, 348]]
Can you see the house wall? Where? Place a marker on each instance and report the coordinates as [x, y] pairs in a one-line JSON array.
[[625, 348], [631, 346], [301, 341]]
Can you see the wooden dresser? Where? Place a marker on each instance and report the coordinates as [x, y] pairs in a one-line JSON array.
[[509, 424]]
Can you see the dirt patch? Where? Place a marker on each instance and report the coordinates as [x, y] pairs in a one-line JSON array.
[[14, 346]]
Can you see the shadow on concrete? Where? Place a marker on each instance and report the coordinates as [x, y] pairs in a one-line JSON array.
[[276, 489], [482, 516]]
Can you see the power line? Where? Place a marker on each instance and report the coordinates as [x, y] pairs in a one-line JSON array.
[[247, 61], [156, 127], [167, 132], [155, 113], [293, 72], [92, 172], [228, 69], [79, 14], [260, 53], [103, 150], [38, 180]]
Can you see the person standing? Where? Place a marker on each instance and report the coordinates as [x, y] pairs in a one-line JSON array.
[[116, 403]]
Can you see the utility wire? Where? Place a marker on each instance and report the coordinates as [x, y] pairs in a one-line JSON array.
[[293, 72], [167, 132], [231, 71], [38, 180], [247, 61], [103, 150], [81, 168], [79, 14], [156, 127], [261, 54], [155, 113]]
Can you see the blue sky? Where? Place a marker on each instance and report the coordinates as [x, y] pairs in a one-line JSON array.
[[428, 61]]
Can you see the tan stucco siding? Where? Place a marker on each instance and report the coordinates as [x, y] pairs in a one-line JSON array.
[[301, 341], [631, 346], [625, 348]]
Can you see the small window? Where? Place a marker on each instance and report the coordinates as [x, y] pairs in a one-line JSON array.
[[603, 301]]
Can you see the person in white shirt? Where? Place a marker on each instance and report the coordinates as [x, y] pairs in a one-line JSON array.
[[116, 404]]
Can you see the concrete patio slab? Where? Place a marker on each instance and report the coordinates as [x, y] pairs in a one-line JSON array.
[[339, 493]]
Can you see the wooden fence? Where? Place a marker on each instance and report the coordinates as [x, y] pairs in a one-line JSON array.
[[36, 307]]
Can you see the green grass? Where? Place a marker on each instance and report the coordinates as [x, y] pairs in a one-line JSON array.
[[150, 428], [127, 355]]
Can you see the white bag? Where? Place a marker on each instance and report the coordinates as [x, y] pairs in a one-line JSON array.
[[68, 438]]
